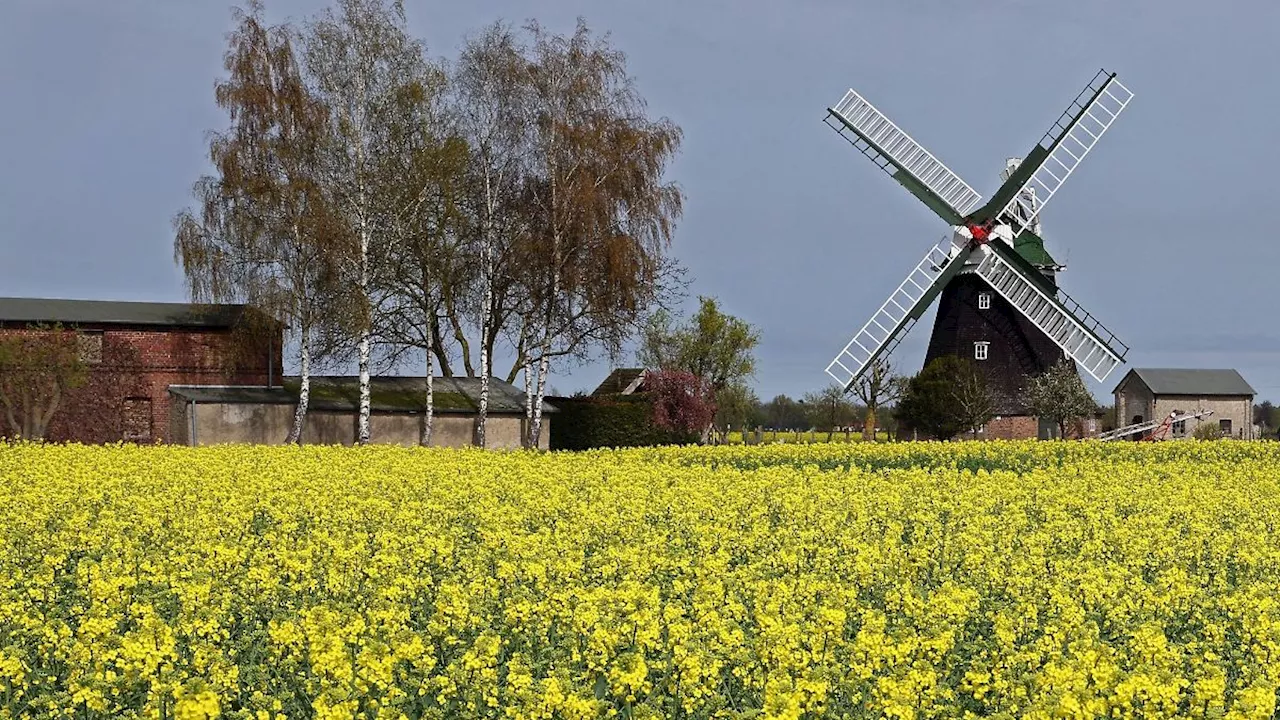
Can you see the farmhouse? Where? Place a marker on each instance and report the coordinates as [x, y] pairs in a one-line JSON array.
[[205, 415], [135, 350], [1152, 393]]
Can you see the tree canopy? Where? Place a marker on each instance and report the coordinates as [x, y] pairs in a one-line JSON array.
[[1058, 395], [712, 345], [947, 397]]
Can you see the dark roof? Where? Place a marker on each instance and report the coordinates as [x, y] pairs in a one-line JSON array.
[[110, 312], [1189, 381], [386, 394], [618, 381]]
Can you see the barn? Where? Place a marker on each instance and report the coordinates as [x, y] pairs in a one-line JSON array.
[[1145, 394]]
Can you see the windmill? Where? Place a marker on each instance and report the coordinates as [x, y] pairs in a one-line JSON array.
[[993, 246]]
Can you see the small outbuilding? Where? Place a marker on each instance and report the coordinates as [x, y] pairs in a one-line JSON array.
[[1145, 394], [206, 415]]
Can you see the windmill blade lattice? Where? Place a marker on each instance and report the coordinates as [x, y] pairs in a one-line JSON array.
[[1080, 336], [898, 154], [886, 328], [1066, 144]]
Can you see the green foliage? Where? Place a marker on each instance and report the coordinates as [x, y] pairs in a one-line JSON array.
[[1207, 431], [783, 413], [1265, 415], [830, 408], [712, 345], [948, 397], [737, 406], [583, 423], [1058, 395]]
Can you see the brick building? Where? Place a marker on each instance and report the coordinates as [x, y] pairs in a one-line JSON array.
[[135, 350]]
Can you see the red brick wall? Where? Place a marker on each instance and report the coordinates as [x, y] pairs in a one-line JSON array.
[[1017, 427], [1012, 427], [137, 367]]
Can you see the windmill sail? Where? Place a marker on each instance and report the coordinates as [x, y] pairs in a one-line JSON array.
[[1061, 149], [899, 313], [1078, 333], [898, 154]]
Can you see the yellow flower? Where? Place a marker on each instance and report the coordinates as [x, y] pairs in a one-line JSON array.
[[908, 580]]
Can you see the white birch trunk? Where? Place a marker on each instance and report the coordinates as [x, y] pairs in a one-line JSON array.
[[362, 430], [528, 404], [544, 362], [486, 271], [428, 417], [540, 390], [483, 411], [304, 390]]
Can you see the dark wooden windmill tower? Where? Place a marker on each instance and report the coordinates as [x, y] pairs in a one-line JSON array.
[[973, 321], [998, 298]]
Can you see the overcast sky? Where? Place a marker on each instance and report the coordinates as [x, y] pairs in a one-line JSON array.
[[1167, 228]]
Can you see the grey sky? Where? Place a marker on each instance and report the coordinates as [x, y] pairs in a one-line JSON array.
[[1167, 227]]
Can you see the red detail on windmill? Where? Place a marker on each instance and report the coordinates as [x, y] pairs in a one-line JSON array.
[[980, 233]]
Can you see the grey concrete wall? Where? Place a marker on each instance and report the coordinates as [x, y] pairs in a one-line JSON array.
[[1136, 400], [1133, 399], [269, 425], [1239, 410], [179, 422]]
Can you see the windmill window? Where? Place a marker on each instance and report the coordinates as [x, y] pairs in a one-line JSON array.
[[980, 350], [984, 300]]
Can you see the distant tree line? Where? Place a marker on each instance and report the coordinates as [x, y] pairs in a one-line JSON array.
[[510, 201]]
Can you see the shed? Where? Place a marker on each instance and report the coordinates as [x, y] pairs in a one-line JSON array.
[[1152, 393], [205, 415]]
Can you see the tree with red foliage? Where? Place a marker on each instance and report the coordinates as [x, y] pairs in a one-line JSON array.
[[682, 401]]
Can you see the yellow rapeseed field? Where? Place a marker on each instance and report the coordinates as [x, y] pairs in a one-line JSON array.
[[1006, 580]]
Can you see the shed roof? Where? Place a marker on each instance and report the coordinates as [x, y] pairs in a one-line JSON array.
[[111, 312], [1189, 381], [387, 394]]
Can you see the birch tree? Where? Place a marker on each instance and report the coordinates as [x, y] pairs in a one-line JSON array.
[[260, 228], [488, 101], [602, 211], [367, 71], [427, 256]]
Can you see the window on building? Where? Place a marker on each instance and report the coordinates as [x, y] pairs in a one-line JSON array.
[[984, 300], [980, 350], [89, 346], [1224, 425], [135, 419], [1180, 428]]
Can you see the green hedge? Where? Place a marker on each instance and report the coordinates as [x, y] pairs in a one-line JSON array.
[[582, 423]]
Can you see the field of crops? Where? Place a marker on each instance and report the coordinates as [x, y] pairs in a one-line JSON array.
[[852, 580]]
